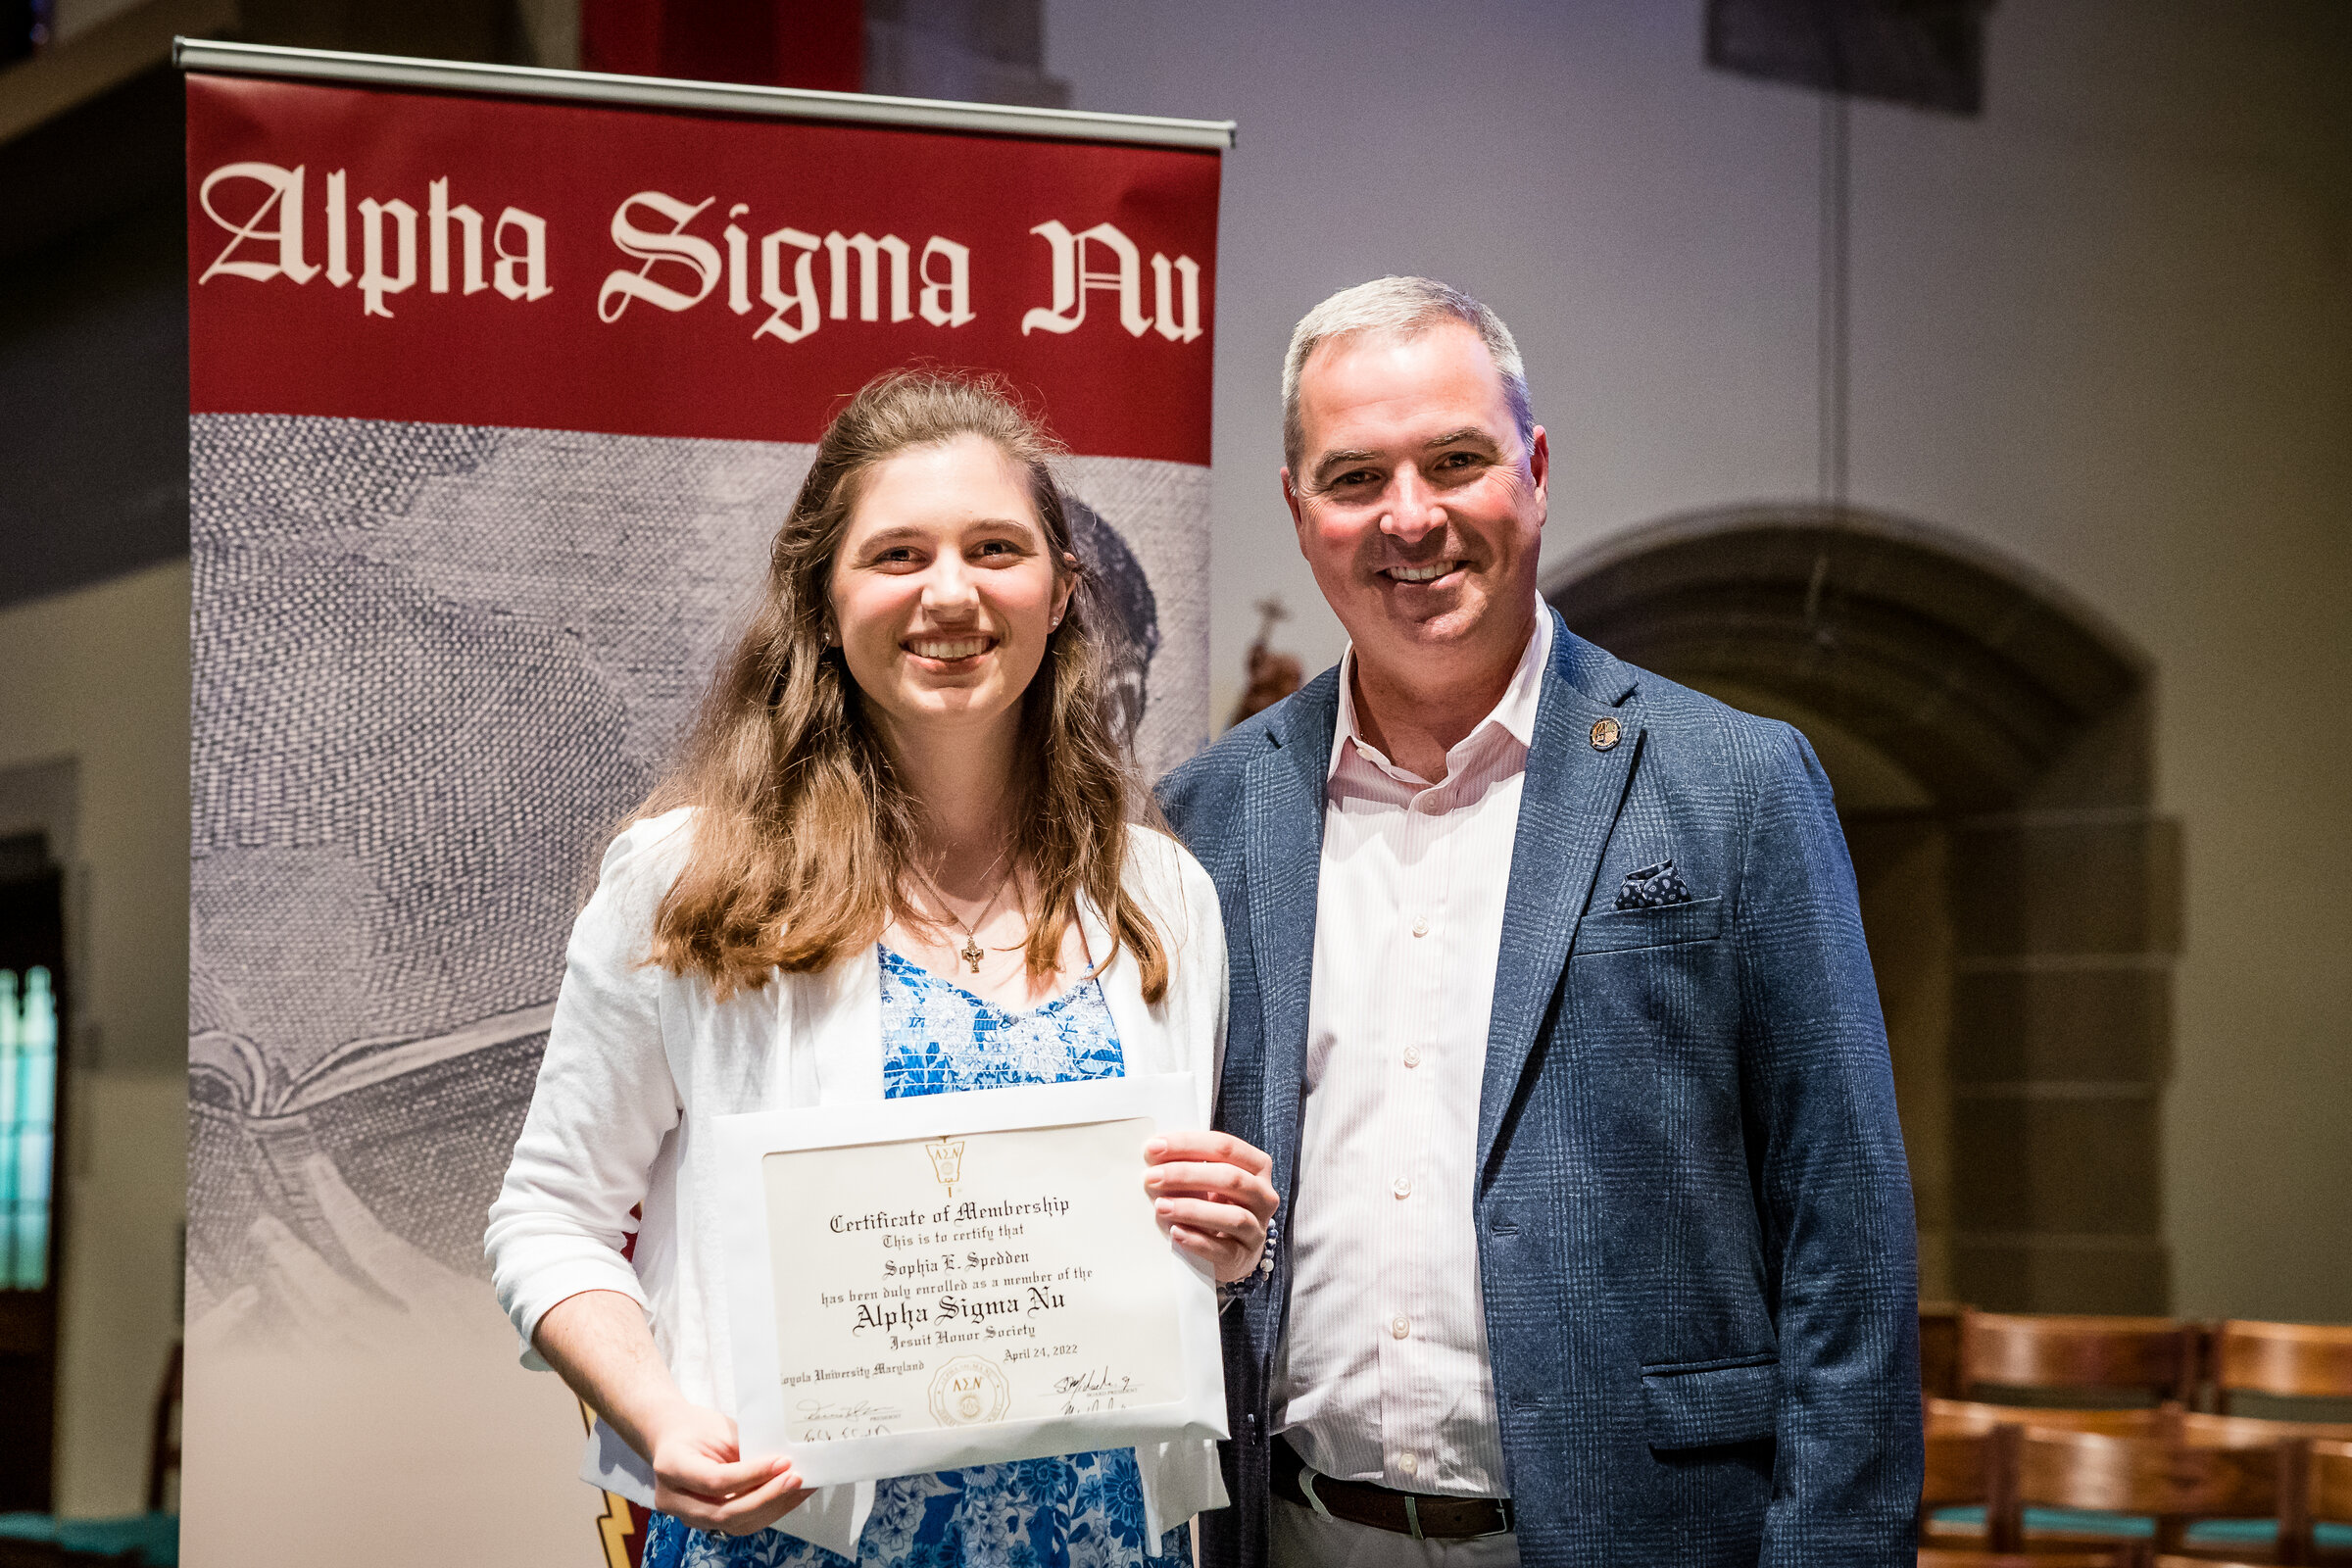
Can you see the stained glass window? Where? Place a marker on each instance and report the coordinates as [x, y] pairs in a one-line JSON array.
[[27, 1125]]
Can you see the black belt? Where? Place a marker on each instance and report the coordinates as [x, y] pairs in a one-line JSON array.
[[1418, 1514]]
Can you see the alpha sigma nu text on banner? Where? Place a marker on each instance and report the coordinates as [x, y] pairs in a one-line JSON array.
[[496, 403]]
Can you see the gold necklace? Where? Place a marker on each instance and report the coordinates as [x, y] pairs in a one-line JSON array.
[[972, 952]]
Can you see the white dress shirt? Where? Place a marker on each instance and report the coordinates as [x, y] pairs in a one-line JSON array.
[[1384, 1374]]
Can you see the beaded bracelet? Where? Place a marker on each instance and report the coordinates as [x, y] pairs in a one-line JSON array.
[[1229, 1293]]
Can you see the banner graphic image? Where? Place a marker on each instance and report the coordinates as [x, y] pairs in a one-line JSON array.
[[496, 402]]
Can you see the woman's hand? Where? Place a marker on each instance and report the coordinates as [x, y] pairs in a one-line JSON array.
[[598, 1342], [1212, 1197], [700, 1478]]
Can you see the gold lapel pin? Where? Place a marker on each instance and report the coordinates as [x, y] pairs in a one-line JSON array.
[[1604, 734]]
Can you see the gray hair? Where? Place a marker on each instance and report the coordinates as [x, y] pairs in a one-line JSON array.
[[1403, 307]]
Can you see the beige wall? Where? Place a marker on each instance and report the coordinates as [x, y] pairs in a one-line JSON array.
[[100, 679], [2139, 376], [2105, 328]]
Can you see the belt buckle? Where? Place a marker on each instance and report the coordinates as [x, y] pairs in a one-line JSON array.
[[1306, 1484], [1502, 1506]]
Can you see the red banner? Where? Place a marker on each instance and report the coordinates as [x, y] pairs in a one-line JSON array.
[[387, 254], [496, 405]]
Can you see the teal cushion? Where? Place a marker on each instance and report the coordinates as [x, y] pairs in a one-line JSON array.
[[150, 1538], [28, 1526], [2205, 1532]]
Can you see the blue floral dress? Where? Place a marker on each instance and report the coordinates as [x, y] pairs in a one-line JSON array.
[[1083, 1510]]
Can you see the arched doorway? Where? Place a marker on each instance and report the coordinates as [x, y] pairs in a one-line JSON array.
[[1988, 740]]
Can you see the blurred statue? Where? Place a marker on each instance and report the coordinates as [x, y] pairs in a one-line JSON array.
[[1127, 614], [1272, 675]]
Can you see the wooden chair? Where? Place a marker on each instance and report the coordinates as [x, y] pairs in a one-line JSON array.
[[1939, 1349], [2298, 1360], [2253, 1432], [1974, 1468], [2328, 1494], [2121, 1557], [2299, 1511], [1964, 1469], [2153, 1354], [1957, 1557], [2173, 1483], [1974, 1417], [2305, 1498]]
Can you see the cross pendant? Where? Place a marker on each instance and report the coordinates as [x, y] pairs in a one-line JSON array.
[[971, 952]]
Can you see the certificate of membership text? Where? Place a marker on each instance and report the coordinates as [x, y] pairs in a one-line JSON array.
[[964, 1279], [959, 1280]]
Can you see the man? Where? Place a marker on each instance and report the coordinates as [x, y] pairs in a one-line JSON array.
[[1551, 1006]]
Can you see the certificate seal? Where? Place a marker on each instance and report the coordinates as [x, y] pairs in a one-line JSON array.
[[969, 1391]]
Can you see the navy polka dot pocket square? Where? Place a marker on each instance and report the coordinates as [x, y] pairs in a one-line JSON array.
[[1652, 887]]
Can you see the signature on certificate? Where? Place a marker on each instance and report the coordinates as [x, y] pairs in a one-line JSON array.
[[1095, 1389], [825, 1421]]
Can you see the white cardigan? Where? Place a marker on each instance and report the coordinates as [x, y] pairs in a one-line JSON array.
[[639, 1059]]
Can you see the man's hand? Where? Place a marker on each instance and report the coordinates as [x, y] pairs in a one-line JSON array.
[[1212, 1197], [700, 1478]]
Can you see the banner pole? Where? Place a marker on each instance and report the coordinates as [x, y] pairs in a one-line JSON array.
[[220, 57]]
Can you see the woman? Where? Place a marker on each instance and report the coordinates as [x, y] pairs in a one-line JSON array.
[[895, 860]]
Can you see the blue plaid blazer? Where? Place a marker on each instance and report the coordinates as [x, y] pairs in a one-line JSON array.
[[1693, 1218]]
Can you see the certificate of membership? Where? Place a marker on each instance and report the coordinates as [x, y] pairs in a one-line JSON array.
[[964, 1279]]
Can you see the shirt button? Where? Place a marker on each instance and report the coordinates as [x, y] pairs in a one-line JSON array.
[[1403, 1187], [1412, 1056], [1421, 926], [1401, 1325], [1406, 1463]]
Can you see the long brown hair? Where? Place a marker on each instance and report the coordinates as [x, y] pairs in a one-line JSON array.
[[803, 835]]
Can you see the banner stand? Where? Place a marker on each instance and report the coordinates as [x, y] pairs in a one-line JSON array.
[[500, 381], [225, 59]]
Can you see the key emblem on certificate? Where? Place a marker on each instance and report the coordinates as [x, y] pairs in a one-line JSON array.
[[946, 1161], [964, 1279]]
